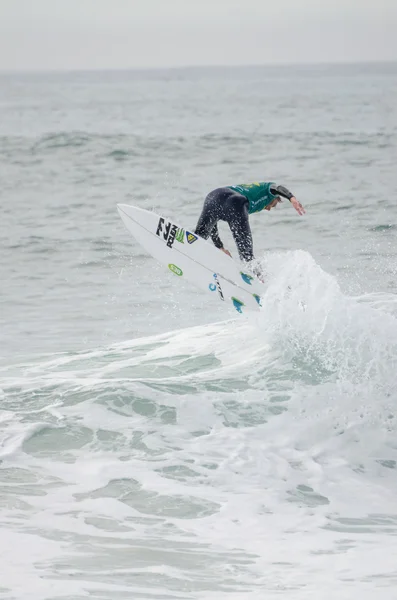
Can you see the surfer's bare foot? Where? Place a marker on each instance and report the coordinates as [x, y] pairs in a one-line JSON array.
[[226, 252]]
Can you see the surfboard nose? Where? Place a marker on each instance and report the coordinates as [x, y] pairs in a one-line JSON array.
[[125, 211]]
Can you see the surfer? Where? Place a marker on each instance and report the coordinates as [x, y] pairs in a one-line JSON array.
[[234, 204]]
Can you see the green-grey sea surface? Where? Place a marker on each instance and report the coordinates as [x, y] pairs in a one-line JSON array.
[[154, 443]]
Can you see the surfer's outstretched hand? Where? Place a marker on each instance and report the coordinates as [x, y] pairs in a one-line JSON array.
[[226, 252], [297, 206]]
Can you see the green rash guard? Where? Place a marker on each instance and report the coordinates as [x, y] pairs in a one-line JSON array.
[[258, 194]]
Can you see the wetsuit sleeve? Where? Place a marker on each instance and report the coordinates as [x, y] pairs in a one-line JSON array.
[[215, 237], [280, 190]]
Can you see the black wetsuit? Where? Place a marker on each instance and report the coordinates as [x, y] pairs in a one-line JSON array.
[[226, 204]]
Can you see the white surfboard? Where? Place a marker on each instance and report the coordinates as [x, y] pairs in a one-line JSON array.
[[189, 256]]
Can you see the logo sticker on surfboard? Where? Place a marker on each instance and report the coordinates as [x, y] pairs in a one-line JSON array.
[[179, 235], [168, 231], [218, 285], [175, 270], [191, 237]]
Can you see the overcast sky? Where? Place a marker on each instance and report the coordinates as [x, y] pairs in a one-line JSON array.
[[103, 34]]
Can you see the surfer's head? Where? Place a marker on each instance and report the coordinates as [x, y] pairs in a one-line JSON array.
[[273, 203]]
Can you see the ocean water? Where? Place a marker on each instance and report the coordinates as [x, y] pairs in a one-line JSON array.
[[153, 443]]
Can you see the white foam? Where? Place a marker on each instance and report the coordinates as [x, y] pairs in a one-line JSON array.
[[256, 456]]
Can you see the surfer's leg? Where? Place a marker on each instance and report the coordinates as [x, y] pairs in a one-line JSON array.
[[238, 220], [210, 215]]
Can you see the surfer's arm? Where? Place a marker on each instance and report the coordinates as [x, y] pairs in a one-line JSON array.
[[280, 190], [217, 240]]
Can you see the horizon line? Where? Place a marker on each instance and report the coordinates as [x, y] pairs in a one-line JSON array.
[[63, 70]]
